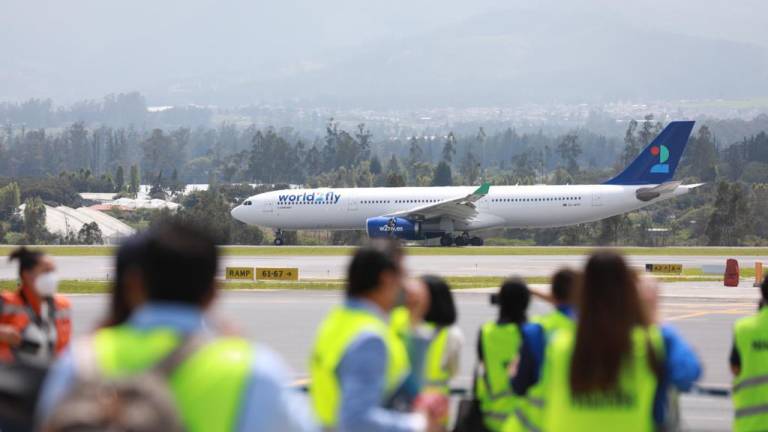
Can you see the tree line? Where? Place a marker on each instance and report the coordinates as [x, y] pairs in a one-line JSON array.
[[55, 164]]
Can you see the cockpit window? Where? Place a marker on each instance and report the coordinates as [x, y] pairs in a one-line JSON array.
[[247, 203]]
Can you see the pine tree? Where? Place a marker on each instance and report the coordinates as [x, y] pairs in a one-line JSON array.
[[449, 148], [376, 168], [119, 179], [135, 181], [443, 176]]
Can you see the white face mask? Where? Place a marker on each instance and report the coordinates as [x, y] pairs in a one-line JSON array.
[[46, 284]]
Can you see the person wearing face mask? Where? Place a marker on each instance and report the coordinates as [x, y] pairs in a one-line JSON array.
[[34, 322]]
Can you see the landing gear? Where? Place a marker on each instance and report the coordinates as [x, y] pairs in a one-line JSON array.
[[476, 241], [463, 239], [279, 241]]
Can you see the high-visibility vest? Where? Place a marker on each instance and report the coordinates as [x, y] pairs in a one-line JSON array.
[[500, 345], [528, 415], [750, 387], [339, 329], [435, 376], [50, 333], [553, 321], [400, 322], [629, 408], [208, 387]]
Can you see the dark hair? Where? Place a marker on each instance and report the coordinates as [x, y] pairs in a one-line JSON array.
[[609, 309], [366, 268], [513, 299], [764, 289], [128, 259], [27, 258], [442, 310], [563, 285], [179, 263]]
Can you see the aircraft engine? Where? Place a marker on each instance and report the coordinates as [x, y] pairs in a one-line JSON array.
[[394, 227]]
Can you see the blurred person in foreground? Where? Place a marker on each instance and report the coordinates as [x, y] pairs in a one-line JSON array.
[[360, 366], [606, 372], [128, 290], [218, 383], [446, 339], [34, 321], [525, 384], [498, 351], [681, 365], [749, 365]]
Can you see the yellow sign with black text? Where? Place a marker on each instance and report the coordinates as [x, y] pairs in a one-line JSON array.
[[278, 273], [239, 273], [664, 268]]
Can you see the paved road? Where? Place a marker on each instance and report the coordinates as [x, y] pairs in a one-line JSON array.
[[93, 267], [286, 321]]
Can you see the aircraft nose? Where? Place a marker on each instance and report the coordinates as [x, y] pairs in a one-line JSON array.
[[238, 213]]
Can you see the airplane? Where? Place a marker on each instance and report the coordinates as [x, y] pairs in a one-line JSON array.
[[452, 213]]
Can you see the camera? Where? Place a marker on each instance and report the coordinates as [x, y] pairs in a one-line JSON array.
[[495, 299]]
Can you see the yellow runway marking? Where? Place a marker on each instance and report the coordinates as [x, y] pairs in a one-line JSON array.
[[690, 315], [699, 313]]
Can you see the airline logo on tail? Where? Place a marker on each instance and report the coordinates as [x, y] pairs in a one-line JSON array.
[[663, 154]]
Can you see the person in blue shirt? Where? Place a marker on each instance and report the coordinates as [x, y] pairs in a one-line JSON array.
[[682, 367], [376, 283], [178, 266], [535, 335]]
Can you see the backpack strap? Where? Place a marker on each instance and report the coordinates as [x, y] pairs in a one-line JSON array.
[[86, 363], [189, 345]]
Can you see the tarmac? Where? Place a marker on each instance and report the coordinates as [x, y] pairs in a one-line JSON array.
[[704, 312], [286, 321], [333, 267]]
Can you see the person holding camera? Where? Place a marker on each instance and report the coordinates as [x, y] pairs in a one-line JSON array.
[[498, 351]]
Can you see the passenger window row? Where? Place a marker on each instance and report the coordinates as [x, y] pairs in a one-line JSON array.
[[575, 198]]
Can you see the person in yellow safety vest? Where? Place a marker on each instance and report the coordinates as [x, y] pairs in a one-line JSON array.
[[446, 339], [359, 367], [224, 385], [498, 351], [528, 413], [603, 375], [749, 364]]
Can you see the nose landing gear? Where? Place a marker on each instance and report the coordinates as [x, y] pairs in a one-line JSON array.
[[279, 240]]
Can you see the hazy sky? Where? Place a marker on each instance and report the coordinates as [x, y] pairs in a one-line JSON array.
[[240, 51]]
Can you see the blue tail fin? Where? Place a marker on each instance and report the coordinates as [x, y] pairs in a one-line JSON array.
[[657, 162]]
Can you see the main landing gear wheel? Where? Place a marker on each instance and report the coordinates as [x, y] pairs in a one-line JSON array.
[[476, 241], [279, 241], [446, 240], [462, 240]]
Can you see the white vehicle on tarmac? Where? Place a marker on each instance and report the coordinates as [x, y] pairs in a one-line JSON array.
[[453, 213]]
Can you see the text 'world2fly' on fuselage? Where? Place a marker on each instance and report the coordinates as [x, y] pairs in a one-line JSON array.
[[416, 213]]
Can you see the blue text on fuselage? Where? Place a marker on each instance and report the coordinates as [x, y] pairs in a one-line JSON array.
[[329, 197]]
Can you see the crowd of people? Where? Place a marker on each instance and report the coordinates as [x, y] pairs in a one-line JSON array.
[[382, 360]]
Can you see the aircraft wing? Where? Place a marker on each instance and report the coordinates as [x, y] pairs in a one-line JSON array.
[[460, 208]]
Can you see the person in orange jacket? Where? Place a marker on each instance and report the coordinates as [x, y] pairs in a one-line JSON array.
[[34, 322]]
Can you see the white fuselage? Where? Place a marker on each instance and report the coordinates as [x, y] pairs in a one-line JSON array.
[[537, 206]]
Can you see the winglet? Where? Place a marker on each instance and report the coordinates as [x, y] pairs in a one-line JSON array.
[[483, 189]]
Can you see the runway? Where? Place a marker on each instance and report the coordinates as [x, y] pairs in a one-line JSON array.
[[286, 321], [102, 267]]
